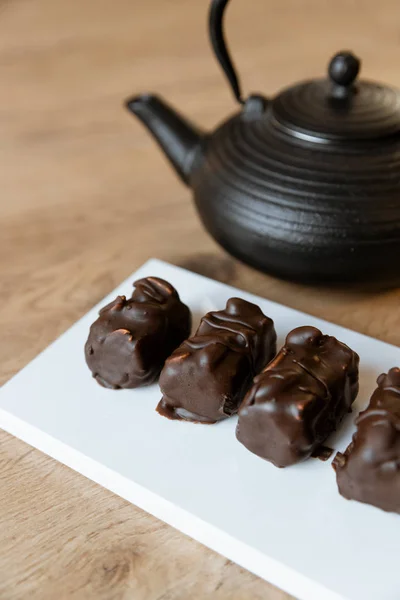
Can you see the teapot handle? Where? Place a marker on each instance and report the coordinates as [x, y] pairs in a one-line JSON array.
[[217, 36]]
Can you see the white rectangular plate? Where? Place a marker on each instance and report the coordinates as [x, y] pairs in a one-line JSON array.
[[289, 526]]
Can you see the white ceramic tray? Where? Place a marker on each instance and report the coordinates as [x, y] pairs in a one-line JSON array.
[[289, 526]]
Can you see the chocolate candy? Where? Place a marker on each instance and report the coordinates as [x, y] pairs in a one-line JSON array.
[[207, 377], [369, 470], [129, 342], [299, 398]]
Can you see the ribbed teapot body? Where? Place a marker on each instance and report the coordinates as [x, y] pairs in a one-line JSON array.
[[300, 208]]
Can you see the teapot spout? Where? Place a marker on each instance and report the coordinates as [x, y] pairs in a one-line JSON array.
[[178, 138]]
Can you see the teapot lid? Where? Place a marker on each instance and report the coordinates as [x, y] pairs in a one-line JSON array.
[[339, 107]]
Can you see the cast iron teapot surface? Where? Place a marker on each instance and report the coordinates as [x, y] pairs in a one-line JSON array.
[[305, 185]]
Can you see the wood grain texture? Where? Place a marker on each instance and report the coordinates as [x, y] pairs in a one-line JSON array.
[[86, 198]]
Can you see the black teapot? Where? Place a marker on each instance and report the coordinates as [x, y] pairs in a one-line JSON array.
[[305, 185]]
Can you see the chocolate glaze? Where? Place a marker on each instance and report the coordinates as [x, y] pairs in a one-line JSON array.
[[299, 398], [207, 377], [129, 342], [369, 470]]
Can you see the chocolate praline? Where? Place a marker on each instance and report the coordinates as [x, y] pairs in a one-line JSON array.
[[129, 342], [299, 398], [369, 470], [207, 377]]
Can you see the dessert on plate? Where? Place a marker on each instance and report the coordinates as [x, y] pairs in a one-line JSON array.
[[130, 341], [206, 378], [369, 470], [299, 398]]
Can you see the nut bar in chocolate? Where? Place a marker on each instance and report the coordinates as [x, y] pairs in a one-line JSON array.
[[207, 377], [129, 342], [369, 470], [299, 398]]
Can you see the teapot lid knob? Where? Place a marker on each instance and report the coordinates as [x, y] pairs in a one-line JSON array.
[[344, 68]]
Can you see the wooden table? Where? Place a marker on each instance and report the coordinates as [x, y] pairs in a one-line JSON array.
[[86, 197]]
